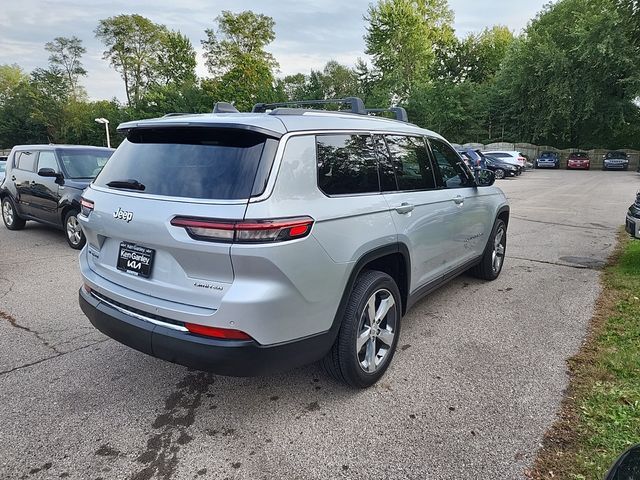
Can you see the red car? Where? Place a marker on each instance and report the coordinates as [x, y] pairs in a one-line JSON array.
[[578, 160]]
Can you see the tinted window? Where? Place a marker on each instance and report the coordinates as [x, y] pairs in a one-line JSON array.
[[499, 155], [83, 162], [387, 169], [26, 161], [616, 155], [347, 164], [3, 166], [194, 162], [47, 160], [411, 161], [453, 171]]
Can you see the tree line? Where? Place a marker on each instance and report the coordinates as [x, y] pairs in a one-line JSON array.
[[570, 79]]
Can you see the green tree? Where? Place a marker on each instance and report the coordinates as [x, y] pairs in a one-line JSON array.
[[402, 38], [11, 77], [176, 60], [572, 79], [66, 54], [242, 70], [133, 43]]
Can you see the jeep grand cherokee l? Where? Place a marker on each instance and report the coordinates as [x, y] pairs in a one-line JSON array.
[[241, 243]]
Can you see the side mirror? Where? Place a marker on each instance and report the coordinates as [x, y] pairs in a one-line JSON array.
[[48, 172], [485, 178], [627, 466]]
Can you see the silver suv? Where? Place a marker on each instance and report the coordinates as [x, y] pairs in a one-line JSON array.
[[241, 243]]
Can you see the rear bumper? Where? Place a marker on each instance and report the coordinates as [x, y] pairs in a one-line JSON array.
[[224, 357]]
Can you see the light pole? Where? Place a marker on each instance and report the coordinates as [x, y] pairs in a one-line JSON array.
[[106, 127]]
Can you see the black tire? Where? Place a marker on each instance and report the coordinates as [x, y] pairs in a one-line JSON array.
[[486, 268], [499, 173], [73, 232], [344, 362], [10, 216]]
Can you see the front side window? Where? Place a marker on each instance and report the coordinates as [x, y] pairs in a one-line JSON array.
[[410, 158], [47, 160], [83, 163], [347, 164], [453, 171]]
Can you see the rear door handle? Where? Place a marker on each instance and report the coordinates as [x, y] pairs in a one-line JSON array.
[[405, 208], [458, 200]]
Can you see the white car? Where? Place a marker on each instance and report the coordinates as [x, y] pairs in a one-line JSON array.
[[509, 156]]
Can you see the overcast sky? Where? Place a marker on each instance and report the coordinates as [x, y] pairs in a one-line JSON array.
[[308, 33]]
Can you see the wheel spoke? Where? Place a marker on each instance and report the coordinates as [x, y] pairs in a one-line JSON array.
[[500, 250], [383, 309], [386, 336], [362, 339], [371, 309], [499, 235], [371, 355]]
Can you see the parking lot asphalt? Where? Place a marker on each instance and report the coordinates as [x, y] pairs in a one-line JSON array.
[[477, 379]]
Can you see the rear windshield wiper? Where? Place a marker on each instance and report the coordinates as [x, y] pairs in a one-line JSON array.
[[131, 184]]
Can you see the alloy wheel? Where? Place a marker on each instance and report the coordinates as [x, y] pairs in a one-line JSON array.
[[497, 256], [74, 232], [377, 330], [7, 213]]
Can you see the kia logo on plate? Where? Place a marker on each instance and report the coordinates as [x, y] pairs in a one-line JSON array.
[[123, 215]]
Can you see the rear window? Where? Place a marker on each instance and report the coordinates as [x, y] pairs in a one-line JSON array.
[[203, 163]]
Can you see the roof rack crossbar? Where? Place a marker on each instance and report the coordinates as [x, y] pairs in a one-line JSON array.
[[399, 112], [357, 105]]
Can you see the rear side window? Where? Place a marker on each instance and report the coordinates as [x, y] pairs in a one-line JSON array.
[[198, 162], [26, 161], [83, 162], [411, 161], [347, 164], [500, 155], [453, 171]]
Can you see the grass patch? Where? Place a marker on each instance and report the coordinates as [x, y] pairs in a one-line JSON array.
[[600, 414]]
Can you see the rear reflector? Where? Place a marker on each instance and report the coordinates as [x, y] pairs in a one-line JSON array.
[[245, 231], [215, 332]]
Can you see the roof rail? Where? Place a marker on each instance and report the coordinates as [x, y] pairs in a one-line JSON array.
[[224, 107], [357, 105], [174, 114], [399, 112]]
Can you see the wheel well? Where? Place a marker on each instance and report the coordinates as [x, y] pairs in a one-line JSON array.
[[504, 216], [66, 210], [395, 266]]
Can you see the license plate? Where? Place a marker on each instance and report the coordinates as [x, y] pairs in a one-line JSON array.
[[135, 259]]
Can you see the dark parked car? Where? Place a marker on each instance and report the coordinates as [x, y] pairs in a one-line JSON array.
[[615, 161], [473, 158], [3, 167], [632, 224], [578, 160], [44, 183], [500, 168], [548, 160]]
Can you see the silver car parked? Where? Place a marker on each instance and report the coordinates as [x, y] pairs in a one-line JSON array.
[[241, 243]]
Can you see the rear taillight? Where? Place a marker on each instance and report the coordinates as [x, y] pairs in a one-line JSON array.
[[245, 231], [215, 332], [86, 206]]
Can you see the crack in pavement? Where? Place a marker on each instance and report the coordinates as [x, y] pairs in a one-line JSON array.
[[14, 323], [11, 285], [579, 267], [31, 364], [582, 227]]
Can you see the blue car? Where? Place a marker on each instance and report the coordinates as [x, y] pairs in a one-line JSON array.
[[548, 160]]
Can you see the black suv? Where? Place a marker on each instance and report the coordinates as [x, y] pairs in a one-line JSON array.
[[44, 183]]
